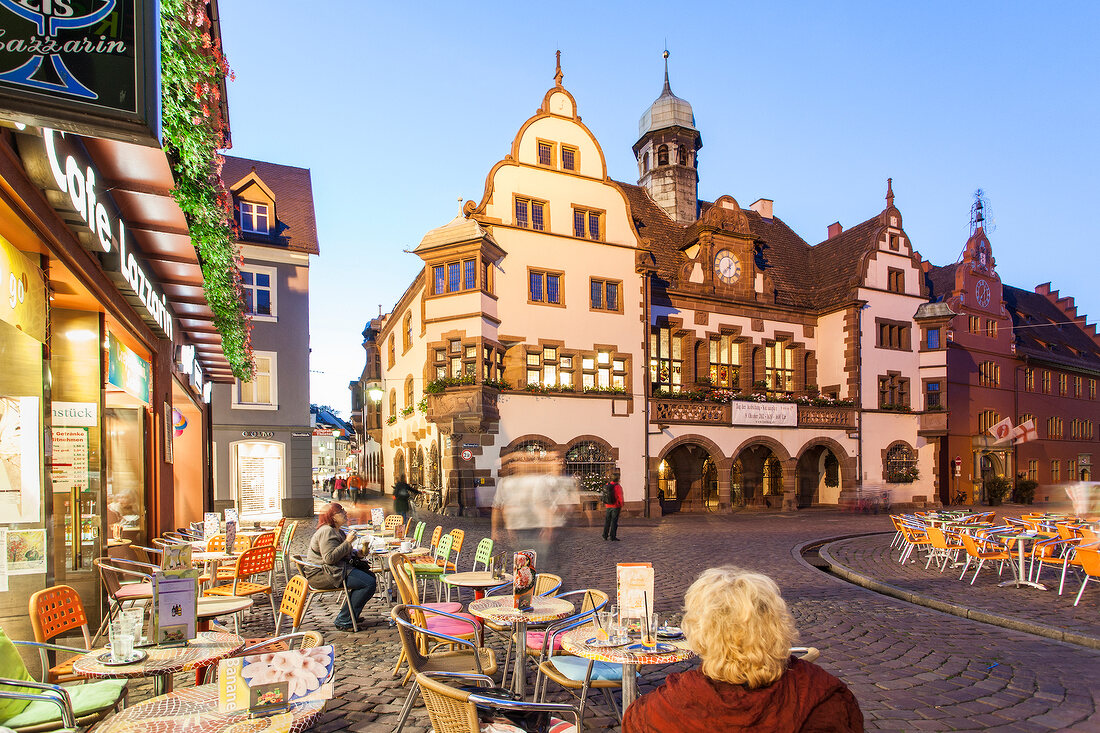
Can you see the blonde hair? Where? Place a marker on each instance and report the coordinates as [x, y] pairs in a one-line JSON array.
[[737, 621]]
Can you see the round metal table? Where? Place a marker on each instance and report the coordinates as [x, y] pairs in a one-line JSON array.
[[501, 610], [574, 642], [479, 581], [162, 662]]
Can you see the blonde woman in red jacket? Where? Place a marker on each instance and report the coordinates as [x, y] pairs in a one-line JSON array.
[[740, 626]]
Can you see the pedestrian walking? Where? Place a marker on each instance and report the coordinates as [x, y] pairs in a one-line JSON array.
[[613, 506], [339, 488], [402, 498]]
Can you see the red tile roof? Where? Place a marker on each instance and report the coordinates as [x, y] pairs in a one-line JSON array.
[[293, 191]]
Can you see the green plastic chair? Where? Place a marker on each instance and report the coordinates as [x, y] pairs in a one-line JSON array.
[[426, 571], [483, 554], [282, 554], [418, 533], [29, 706]]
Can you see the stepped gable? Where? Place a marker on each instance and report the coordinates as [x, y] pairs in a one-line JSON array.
[[1045, 332], [837, 263], [941, 281], [293, 193]]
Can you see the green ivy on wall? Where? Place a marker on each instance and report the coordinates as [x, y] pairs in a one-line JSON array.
[[193, 68]]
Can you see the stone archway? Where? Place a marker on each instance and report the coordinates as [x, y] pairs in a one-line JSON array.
[[687, 478], [766, 474], [823, 469]]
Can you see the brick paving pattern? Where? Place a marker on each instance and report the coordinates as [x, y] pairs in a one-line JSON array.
[[912, 668]]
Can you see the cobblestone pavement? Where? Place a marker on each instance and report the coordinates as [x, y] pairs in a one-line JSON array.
[[911, 668]]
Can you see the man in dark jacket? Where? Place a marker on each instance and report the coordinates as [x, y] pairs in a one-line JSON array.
[[402, 496]]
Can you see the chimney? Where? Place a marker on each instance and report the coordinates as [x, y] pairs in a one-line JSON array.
[[835, 229], [763, 207]]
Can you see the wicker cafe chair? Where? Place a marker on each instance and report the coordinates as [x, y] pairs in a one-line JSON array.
[[313, 592], [422, 647], [456, 711], [53, 612], [392, 522], [304, 639], [125, 581], [404, 577]]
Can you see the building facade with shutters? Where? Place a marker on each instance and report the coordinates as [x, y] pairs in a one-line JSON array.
[[261, 432], [704, 349]]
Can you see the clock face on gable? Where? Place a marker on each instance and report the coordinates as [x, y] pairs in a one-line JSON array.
[[727, 267], [981, 292]]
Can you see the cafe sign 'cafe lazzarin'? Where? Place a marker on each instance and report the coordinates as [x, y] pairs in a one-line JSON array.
[[68, 170]]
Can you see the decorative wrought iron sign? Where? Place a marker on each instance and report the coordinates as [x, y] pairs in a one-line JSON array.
[[85, 66]]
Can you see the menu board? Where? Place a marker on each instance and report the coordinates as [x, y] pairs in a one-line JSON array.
[[175, 609], [269, 682], [231, 515], [377, 516], [523, 579], [634, 591], [175, 561], [69, 470], [230, 536], [211, 526]]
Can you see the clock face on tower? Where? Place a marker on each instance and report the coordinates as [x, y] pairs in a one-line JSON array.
[[727, 268], [981, 291]]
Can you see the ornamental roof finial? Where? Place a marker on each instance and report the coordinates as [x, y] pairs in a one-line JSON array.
[[558, 76], [667, 87], [889, 192]]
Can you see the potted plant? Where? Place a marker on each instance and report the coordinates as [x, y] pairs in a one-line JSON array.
[[996, 489]]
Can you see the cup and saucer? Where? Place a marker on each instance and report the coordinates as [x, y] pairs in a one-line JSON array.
[[670, 633]]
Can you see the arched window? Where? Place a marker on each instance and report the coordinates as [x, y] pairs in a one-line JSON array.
[[645, 162], [773, 476], [393, 403], [662, 155], [590, 463], [399, 467], [681, 155], [435, 477], [737, 485], [416, 468], [534, 450], [408, 341], [408, 391], [901, 464]]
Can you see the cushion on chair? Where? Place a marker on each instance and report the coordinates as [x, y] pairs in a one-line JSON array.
[[134, 590], [12, 667], [89, 698], [444, 606], [534, 641], [450, 626], [557, 725], [575, 667]]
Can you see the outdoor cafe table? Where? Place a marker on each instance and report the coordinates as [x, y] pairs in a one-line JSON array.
[[1021, 539], [479, 581], [195, 710], [162, 662], [500, 609], [575, 642]]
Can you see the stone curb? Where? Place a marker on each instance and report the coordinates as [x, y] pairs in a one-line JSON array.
[[974, 614]]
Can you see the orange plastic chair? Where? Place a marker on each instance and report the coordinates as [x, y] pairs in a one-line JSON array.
[[265, 540], [987, 550], [1089, 557], [436, 534], [253, 562], [457, 536], [54, 611], [943, 547], [293, 606], [1057, 553], [216, 543]]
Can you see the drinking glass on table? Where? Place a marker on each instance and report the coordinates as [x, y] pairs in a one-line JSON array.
[[136, 617], [606, 627], [121, 632], [649, 631]]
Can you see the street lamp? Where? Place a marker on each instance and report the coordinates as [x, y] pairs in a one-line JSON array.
[[374, 392]]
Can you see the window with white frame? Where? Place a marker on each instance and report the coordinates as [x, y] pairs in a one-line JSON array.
[[259, 291], [262, 391], [254, 218]]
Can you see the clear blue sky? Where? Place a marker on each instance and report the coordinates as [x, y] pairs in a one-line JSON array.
[[399, 109]]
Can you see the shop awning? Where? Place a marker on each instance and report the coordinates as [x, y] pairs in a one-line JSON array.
[[140, 181]]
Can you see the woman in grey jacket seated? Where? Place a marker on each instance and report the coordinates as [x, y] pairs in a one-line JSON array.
[[331, 547]]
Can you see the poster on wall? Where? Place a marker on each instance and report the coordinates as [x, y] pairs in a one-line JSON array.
[[25, 288], [126, 370], [20, 477], [69, 469], [25, 551]]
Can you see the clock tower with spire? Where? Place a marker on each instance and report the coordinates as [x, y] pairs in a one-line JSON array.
[[667, 150]]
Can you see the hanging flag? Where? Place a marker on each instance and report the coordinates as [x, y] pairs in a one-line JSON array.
[[1002, 431], [1025, 433]]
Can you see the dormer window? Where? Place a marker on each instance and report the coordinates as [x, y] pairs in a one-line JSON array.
[[254, 218], [568, 158], [546, 153]]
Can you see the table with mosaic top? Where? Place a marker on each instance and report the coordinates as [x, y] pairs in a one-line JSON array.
[[479, 580], [195, 710], [575, 642], [163, 662], [502, 610]]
